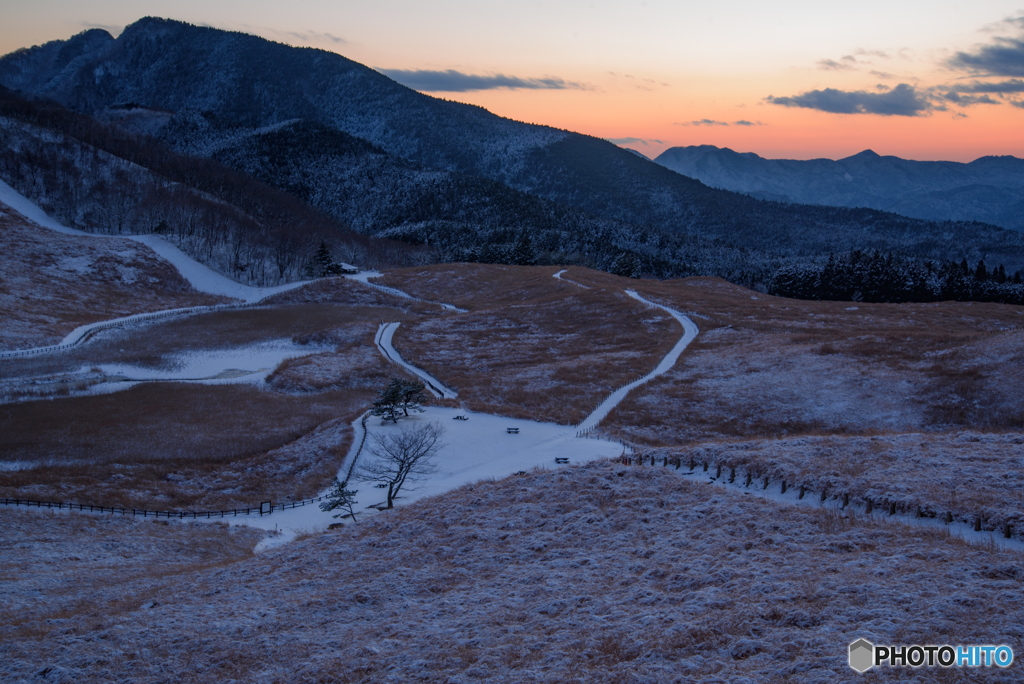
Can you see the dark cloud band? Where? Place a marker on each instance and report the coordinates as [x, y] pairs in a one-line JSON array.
[[903, 100], [1003, 58], [451, 81], [1014, 85]]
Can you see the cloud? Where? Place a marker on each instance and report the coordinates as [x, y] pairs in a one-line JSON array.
[[852, 61], [1002, 25], [704, 122], [872, 53], [882, 74], [630, 141], [967, 100], [712, 122], [647, 84], [452, 81], [1017, 103], [1002, 56], [1014, 85], [833, 65], [903, 100], [314, 37]]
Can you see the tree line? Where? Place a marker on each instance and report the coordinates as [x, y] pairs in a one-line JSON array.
[[875, 277]]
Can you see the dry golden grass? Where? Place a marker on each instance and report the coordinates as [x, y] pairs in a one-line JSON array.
[[154, 344], [532, 346], [476, 286], [175, 446], [352, 293]]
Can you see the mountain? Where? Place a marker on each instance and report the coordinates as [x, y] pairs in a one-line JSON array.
[[397, 162], [989, 189]]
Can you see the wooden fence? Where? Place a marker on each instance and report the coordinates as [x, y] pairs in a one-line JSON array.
[[265, 508]]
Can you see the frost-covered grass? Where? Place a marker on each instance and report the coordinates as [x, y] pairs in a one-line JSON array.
[[62, 570], [766, 366], [52, 283], [599, 573], [970, 474]]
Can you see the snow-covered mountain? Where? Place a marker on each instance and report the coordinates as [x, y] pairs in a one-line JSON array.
[[233, 96], [989, 189]]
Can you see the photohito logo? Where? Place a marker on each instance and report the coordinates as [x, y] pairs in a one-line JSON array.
[[864, 655]]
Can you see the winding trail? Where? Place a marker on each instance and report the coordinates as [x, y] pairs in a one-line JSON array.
[[365, 276], [558, 276], [690, 331], [384, 336], [201, 277]]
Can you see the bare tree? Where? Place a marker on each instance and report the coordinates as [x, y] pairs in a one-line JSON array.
[[401, 456]]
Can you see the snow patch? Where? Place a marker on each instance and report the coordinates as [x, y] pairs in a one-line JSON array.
[[223, 365]]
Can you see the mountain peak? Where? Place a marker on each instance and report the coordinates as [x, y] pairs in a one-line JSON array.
[[866, 154]]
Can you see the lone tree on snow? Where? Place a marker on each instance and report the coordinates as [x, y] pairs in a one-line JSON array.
[[406, 455], [398, 395], [341, 497]]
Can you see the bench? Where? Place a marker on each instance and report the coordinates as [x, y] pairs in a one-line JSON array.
[[561, 461], [512, 431]]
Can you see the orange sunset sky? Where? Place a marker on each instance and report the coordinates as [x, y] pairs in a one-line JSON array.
[[796, 79]]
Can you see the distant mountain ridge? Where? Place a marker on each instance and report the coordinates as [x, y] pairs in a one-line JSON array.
[[989, 189], [239, 98]]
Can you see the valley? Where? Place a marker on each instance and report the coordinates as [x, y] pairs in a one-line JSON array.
[[591, 570]]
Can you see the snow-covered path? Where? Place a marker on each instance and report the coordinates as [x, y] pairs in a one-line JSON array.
[[558, 276], [615, 398], [384, 343], [201, 277], [365, 276]]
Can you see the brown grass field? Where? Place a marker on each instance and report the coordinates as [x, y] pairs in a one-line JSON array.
[[598, 573], [531, 346], [170, 445]]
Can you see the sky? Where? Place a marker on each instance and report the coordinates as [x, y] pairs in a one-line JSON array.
[[787, 79]]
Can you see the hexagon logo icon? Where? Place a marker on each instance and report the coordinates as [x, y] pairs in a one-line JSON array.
[[862, 655]]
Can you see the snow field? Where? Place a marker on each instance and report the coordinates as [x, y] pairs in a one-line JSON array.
[[250, 363], [473, 450]]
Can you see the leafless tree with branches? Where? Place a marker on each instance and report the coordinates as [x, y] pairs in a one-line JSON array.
[[402, 455]]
